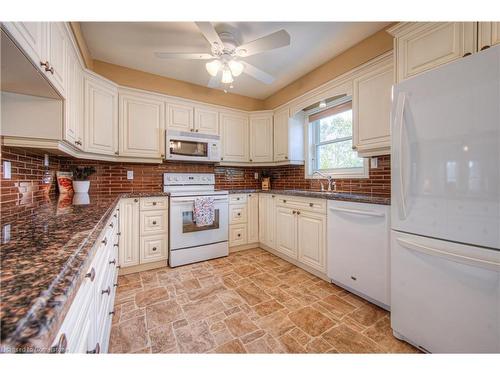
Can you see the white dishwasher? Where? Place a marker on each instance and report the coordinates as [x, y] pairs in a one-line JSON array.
[[359, 249]]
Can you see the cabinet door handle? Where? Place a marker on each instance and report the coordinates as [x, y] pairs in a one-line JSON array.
[[239, 234], [354, 278], [154, 203], [485, 47], [239, 213], [116, 152], [45, 65], [91, 274], [112, 261], [116, 245], [467, 54], [154, 222], [115, 285], [294, 212], [78, 143], [298, 212], [311, 204], [105, 241], [106, 291], [111, 313], [61, 345], [96, 350], [136, 200], [251, 160], [284, 200], [286, 157], [196, 130], [154, 248], [111, 225]]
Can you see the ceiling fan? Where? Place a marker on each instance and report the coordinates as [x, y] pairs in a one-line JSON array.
[[227, 55]]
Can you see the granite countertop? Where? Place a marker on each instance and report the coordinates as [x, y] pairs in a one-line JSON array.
[[360, 198], [42, 263]]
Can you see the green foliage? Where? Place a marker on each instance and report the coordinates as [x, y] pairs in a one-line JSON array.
[[82, 173]]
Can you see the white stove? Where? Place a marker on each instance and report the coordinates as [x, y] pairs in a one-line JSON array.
[[188, 242]]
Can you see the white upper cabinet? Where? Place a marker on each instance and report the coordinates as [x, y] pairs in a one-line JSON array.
[[73, 122], [31, 38], [180, 117], [488, 34], [206, 120], [372, 108], [142, 124], [281, 134], [56, 55], [261, 137], [234, 137], [421, 46], [101, 116]]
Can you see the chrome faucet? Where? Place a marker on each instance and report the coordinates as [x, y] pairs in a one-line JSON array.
[[329, 178]]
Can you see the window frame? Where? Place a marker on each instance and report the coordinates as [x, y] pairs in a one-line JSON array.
[[313, 144]]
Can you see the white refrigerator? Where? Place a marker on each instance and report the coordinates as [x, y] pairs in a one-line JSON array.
[[445, 214]]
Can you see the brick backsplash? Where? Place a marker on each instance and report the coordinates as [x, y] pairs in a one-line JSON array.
[[25, 188]]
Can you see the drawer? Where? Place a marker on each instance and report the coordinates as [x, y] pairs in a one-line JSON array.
[[237, 198], [238, 214], [154, 248], [153, 222], [153, 203], [302, 203], [237, 235]]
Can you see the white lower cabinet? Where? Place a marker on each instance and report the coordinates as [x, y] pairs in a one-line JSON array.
[[144, 228], [87, 325], [267, 219], [253, 218], [311, 239], [286, 232], [243, 219]]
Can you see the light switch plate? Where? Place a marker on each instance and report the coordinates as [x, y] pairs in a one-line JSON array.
[[7, 173], [6, 233], [374, 163], [130, 175], [256, 175]]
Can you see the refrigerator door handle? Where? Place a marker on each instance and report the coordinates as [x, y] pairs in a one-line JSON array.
[[400, 124], [425, 249]]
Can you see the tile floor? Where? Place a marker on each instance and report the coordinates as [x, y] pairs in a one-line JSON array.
[[249, 302]]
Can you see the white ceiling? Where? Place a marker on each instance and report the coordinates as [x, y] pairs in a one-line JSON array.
[[133, 44]]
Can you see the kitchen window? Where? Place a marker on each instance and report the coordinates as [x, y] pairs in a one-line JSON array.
[[330, 143]]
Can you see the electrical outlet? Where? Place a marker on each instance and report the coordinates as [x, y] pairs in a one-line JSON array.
[[374, 163], [7, 173], [130, 175], [256, 175], [6, 233]]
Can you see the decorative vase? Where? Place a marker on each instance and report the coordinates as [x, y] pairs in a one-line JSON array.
[[81, 186], [266, 183], [81, 198]]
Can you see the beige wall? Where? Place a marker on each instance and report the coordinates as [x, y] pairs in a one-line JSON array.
[[364, 51], [82, 45]]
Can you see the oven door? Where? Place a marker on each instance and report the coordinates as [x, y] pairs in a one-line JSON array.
[[183, 230]]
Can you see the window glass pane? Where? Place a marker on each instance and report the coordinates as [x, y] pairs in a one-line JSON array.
[[338, 155], [336, 126]]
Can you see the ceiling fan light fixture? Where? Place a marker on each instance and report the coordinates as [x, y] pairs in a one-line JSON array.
[[213, 67], [227, 77], [236, 67]]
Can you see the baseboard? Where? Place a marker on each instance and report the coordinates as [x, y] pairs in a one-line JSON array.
[[143, 267], [243, 247], [295, 262]]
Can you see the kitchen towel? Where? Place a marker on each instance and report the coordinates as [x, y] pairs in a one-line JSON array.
[[204, 211]]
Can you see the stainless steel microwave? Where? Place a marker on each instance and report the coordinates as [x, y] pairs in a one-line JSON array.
[[187, 146]]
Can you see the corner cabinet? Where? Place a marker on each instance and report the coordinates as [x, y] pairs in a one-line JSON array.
[[234, 137], [141, 124], [288, 137], [261, 137], [372, 108], [101, 116]]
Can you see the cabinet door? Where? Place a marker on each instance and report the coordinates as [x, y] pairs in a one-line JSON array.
[[253, 218], [129, 229], [234, 134], [261, 138], [180, 117], [281, 135], [56, 54], [311, 240], [142, 124], [30, 36], [263, 224], [488, 34], [101, 117], [286, 232], [371, 106], [271, 221], [206, 121], [73, 122], [433, 44]]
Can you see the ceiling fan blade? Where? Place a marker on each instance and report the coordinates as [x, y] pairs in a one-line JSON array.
[[257, 73], [189, 56], [208, 31], [215, 81], [275, 40]]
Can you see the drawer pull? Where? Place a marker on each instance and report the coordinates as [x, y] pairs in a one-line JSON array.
[[115, 245], [294, 212], [96, 350], [311, 204], [272, 196], [106, 291], [237, 199], [239, 213], [91, 274], [239, 234], [118, 266], [154, 222], [136, 200], [154, 248], [298, 212], [115, 215], [112, 261], [154, 203], [105, 241], [249, 195], [284, 200], [79, 143], [61, 345], [354, 278], [111, 225], [115, 285], [118, 233], [111, 313]]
